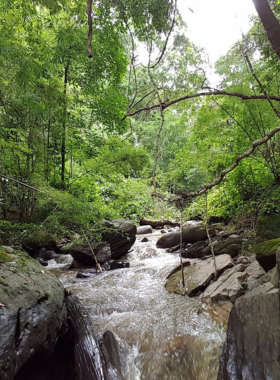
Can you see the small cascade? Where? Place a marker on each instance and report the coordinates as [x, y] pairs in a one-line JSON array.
[[159, 335]]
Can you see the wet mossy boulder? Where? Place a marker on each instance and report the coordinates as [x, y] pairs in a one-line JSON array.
[[32, 310], [266, 253]]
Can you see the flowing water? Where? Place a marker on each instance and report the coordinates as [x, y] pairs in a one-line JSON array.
[[160, 335]]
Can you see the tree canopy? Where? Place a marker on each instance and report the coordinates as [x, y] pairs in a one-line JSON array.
[[97, 125]]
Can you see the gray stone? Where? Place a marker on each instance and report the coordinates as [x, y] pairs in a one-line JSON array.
[[252, 347], [142, 230], [229, 289], [196, 250], [32, 312], [82, 253], [198, 276], [190, 235], [121, 236]]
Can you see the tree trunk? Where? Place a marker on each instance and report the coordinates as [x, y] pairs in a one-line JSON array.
[[63, 140], [270, 23]]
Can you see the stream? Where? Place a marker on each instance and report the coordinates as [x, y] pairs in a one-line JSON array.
[[160, 335]]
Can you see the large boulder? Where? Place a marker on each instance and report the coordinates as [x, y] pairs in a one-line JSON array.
[[32, 311], [82, 252], [266, 253], [142, 230], [189, 235], [121, 235], [197, 276], [252, 347]]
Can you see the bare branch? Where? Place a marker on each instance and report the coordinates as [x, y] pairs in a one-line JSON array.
[[21, 183], [167, 38], [223, 173], [199, 95]]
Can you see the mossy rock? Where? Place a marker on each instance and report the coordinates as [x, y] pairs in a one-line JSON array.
[[4, 256], [268, 227], [266, 253], [267, 247]]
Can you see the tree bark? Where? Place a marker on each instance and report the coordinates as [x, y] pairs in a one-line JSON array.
[[270, 23]]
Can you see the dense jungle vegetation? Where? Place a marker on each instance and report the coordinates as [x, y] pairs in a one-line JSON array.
[[104, 103]]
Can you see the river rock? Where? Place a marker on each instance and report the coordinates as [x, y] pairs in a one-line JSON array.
[[81, 252], [89, 359], [32, 312], [111, 352], [197, 276], [45, 254], [228, 289], [231, 246], [255, 272], [190, 235], [266, 253], [121, 236], [142, 230], [252, 347], [196, 250]]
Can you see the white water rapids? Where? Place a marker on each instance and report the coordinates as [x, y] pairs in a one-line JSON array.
[[161, 336]]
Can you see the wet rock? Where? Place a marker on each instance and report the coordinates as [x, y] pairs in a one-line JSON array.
[[231, 246], [89, 360], [118, 264], [142, 230], [227, 288], [144, 240], [163, 232], [42, 262], [179, 267], [196, 250], [32, 314], [45, 254], [81, 252], [219, 311], [190, 235], [121, 236], [252, 347], [198, 276], [86, 273], [111, 352], [266, 253]]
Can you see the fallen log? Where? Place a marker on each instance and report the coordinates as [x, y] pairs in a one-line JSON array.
[[158, 223]]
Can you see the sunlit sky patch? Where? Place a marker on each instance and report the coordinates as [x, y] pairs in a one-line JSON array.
[[216, 24]]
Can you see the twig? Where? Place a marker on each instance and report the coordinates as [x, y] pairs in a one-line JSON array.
[[209, 237], [92, 251]]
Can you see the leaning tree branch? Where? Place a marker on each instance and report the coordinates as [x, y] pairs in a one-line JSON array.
[[223, 173], [21, 183], [199, 95]]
